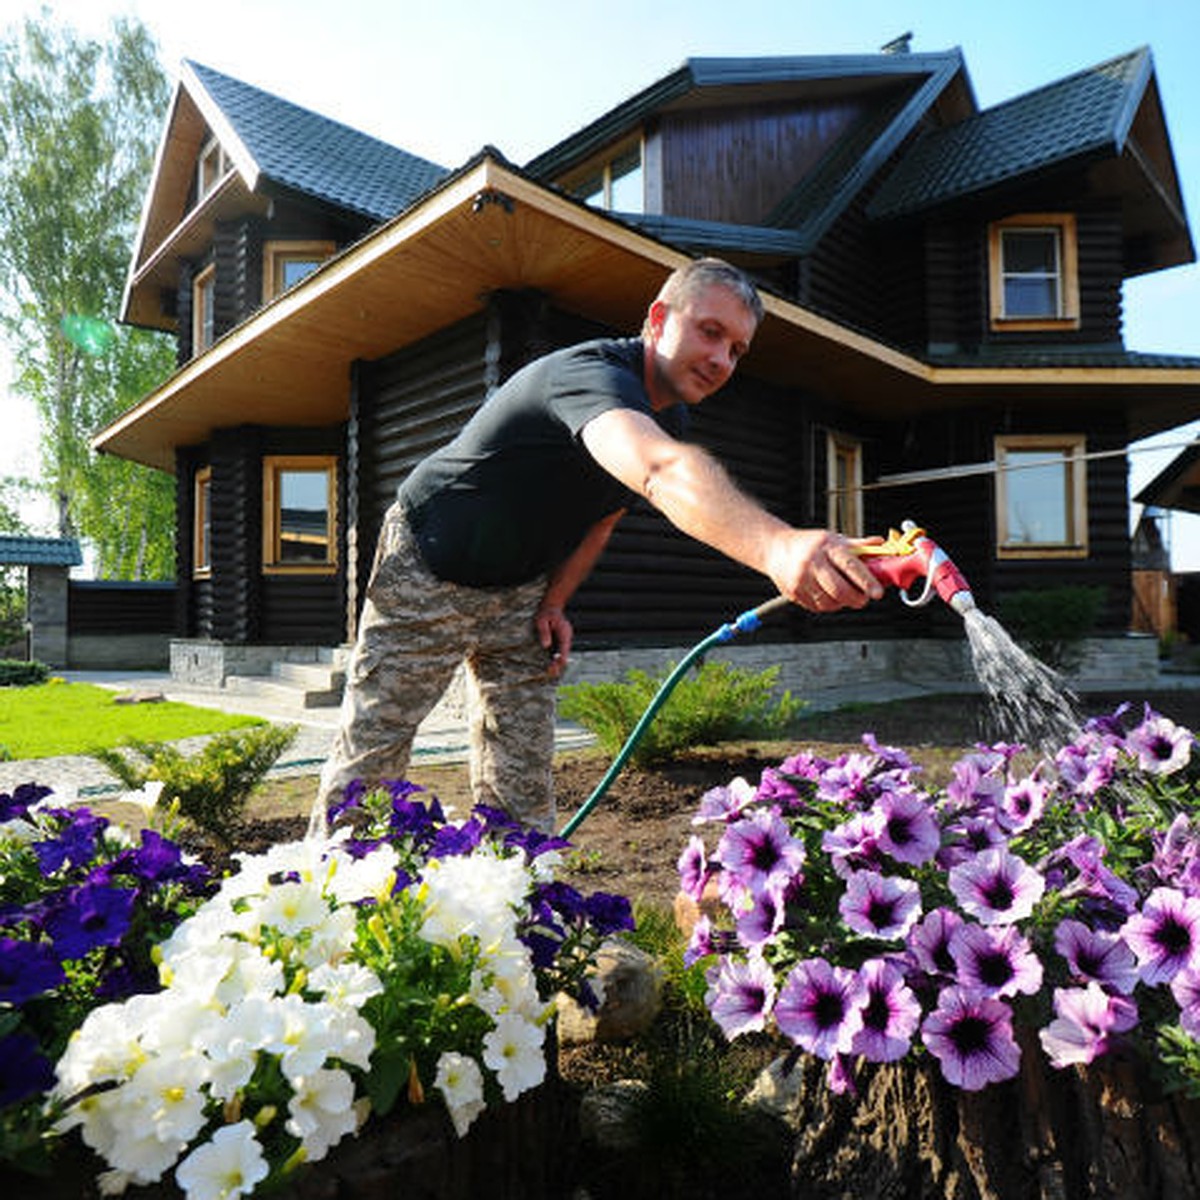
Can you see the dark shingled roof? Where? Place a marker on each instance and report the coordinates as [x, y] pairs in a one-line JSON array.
[[1036, 357], [317, 156], [1086, 113], [39, 552]]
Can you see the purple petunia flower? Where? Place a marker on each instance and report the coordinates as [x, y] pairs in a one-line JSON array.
[[1176, 859], [881, 906], [609, 913], [75, 843], [1161, 746], [971, 1036], [929, 942], [774, 787], [909, 832], [27, 969], [890, 1013], [724, 803], [24, 1070], [1087, 764], [1023, 803], [758, 849], [740, 994], [1185, 987], [1095, 880], [967, 836], [976, 784], [761, 922], [847, 781], [1085, 1018], [995, 960], [1165, 935], [1096, 955], [996, 887], [693, 868], [854, 845], [90, 916], [700, 944], [820, 1007]]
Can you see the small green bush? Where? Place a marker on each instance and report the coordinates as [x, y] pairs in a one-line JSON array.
[[17, 672], [1053, 623], [716, 703], [212, 786]]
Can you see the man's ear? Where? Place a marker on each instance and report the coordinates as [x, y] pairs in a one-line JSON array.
[[656, 317]]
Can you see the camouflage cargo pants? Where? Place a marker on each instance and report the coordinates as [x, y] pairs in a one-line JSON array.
[[414, 632]]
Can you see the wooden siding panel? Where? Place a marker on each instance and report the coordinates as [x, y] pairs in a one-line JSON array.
[[301, 610]]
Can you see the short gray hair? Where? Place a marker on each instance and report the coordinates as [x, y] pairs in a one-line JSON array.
[[703, 273]]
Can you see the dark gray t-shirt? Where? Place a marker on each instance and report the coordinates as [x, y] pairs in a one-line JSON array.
[[514, 493]]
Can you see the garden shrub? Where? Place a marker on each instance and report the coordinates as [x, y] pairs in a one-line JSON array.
[[211, 787], [716, 703], [1053, 623], [18, 672]]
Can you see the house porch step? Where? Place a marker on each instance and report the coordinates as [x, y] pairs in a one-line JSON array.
[[295, 686]]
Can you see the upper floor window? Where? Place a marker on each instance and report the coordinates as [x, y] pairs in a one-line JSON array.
[[300, 513], [203, 309], [1034, 272], [615, 182], [1041, 496], [844, 472], [211, 168], [202, 523], [286, 263]]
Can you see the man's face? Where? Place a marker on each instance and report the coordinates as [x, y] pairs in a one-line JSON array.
[[696, 344]]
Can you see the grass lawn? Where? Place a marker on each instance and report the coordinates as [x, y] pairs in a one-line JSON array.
[[76, 718]]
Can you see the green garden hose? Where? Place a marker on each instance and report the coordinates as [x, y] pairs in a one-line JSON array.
[[748, 622]]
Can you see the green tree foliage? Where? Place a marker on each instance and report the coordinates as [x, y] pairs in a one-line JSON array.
[[78, 126]]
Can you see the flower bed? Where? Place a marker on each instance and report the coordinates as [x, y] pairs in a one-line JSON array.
[[1045, 908], [405, 959]]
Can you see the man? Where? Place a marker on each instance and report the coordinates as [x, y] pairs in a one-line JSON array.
[[490, 537]]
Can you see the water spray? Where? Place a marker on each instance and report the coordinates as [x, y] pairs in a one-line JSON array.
[[898, 561]]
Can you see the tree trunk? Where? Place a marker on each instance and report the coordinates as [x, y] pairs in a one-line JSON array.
[[1103, 1131]]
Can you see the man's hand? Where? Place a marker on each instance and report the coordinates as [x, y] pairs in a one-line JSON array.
[[554, 633], [819, 570]]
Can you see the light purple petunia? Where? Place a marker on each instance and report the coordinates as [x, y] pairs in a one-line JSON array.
[[1097, 955], [1176, 859], [909, 831], [740, 994], [847, 781], [881, 906], [700, 944], [1160, 746], [996, 887], [1087, 764], [929, 942], [967, 836], [890, 1013], [854, 845], [758, 849], [693, 868], [971, 1036], [1023, 804], [1165, 935], [995, 960], [724, 803], [977, 782], [820, 1007], [761, 922], [1085, 1018], [1185, 987]]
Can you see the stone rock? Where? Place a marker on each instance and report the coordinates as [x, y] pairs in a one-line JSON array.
[[630, 982], [608, 1114], [778, 1091], [142, 697]]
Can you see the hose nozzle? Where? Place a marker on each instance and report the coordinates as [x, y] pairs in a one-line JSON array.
[[910, 554]]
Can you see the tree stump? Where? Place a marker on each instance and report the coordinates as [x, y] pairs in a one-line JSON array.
[[1105, 1131]]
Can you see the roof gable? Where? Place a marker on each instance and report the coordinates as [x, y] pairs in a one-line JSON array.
[[16, 550]]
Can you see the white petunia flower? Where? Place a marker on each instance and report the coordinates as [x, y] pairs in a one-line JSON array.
[[513, 1050], [231, 1165], [322, 1111], [460, 1081], [292, 908], [368, 878], [345, 984]]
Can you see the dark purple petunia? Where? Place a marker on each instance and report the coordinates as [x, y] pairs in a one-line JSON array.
[[562, 898], [534, 842], [27, 969], [159, 860], [24, 1070], [456, 841], [90, 916], [609, 913], [22, 798], [76, 843], [971, 1036]]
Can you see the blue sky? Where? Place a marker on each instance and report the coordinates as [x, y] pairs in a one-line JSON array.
[[445, 77]]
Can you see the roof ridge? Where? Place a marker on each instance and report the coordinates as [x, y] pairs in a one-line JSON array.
[[1062, 81]]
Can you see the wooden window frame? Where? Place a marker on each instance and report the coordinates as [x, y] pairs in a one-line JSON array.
[[601, 167], [1074, 451], [844, 506], [202, 523], [205, 186], [203, 285], [278, 252], [273, 466], [1062, 224]]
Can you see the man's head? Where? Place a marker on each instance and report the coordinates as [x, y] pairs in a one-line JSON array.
[[698, 327]]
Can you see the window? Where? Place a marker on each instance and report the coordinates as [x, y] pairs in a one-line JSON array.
[[616, 183], [203, 309], [844, 472], [1033, 267], [1041, 496], [300, 513], [202, 523], [211, 168], [286, 263]]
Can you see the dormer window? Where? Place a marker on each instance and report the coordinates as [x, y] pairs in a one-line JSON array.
[[211, 168], [204, 299], [286, 263], [616, 182], [1034, 272]]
